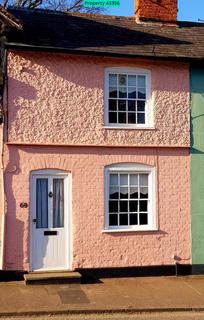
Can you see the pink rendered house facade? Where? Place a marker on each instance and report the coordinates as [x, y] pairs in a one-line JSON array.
[[68, 134], [96, 166]]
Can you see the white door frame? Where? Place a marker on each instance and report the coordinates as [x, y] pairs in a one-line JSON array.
[[67, 210]]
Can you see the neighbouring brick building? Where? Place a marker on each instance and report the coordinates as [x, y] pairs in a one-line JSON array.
[[97, 139]]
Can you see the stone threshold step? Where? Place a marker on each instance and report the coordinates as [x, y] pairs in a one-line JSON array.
[[51, 277]]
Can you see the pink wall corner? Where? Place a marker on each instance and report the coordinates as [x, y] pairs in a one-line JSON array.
[[91, 247], [55, 98]]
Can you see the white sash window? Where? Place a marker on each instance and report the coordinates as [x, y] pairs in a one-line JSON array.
[[127, 98], [130, 197]]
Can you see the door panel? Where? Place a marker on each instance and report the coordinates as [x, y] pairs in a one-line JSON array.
[[50, 245]]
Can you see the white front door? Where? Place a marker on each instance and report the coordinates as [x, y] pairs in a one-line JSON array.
[[50, 225]]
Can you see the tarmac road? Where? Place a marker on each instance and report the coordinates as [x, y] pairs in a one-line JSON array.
[[155, 316]]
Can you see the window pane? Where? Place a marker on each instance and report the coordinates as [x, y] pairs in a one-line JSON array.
[[143, 206], [143, 192], [123, 192], [131, 118], [123, 179], [128, 98], [113, 179], [133, 219], [114, 193], [133, 206], [134, 193], [141, 81], [131, 92], [128, 198], [41, 203], [122, 105], [112, 117], [112, 80], [112, 105], [132, 80], [143, 219], [131, 105], [58, 203], [113, 92], [123, 220], [140, 118], [143, 178], [113, 220], [122, 80], [122, 117], [140, 105], [123, 206], [113, 206], [134, 179], [122, 92], [141, 93]]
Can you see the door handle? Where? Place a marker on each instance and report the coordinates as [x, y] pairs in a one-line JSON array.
[[34, 220], [50, 194]]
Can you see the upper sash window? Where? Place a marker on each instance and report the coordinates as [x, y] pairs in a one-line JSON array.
[[127, 95]]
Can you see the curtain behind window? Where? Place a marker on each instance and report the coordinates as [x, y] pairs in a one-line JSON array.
[[58, 203], [42, 203]]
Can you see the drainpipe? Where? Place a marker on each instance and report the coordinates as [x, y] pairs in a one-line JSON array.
[[3, 100], [2, 200]]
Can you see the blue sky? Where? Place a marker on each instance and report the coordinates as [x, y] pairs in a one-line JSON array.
[[189, 10]]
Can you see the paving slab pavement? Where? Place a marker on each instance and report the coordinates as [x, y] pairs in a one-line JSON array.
[[111, 295], [118, 316]]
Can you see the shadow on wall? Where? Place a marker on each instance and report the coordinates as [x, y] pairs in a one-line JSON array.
[[37, 241], [195, 150], [71, 72], [14, 228], [102, 151], [159, 234], [17, 232], [98, 34], [23, 89], [198, 269], [195, 133], [197, 111]]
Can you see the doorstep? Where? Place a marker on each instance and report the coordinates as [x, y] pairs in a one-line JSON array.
[[52, 277]]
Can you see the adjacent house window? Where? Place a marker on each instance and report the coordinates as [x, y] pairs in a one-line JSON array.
[[127, 98], [130, 197]]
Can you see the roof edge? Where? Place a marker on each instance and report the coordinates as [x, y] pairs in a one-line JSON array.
[[23, 47]]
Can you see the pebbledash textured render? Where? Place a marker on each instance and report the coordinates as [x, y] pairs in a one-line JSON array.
[[96, 147], [51, 100]]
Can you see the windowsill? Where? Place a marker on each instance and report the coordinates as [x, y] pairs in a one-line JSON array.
[[129, 230], [128, 128]]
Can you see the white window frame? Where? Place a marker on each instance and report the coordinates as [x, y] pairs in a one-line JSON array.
[[136, 169], [148, 110]]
